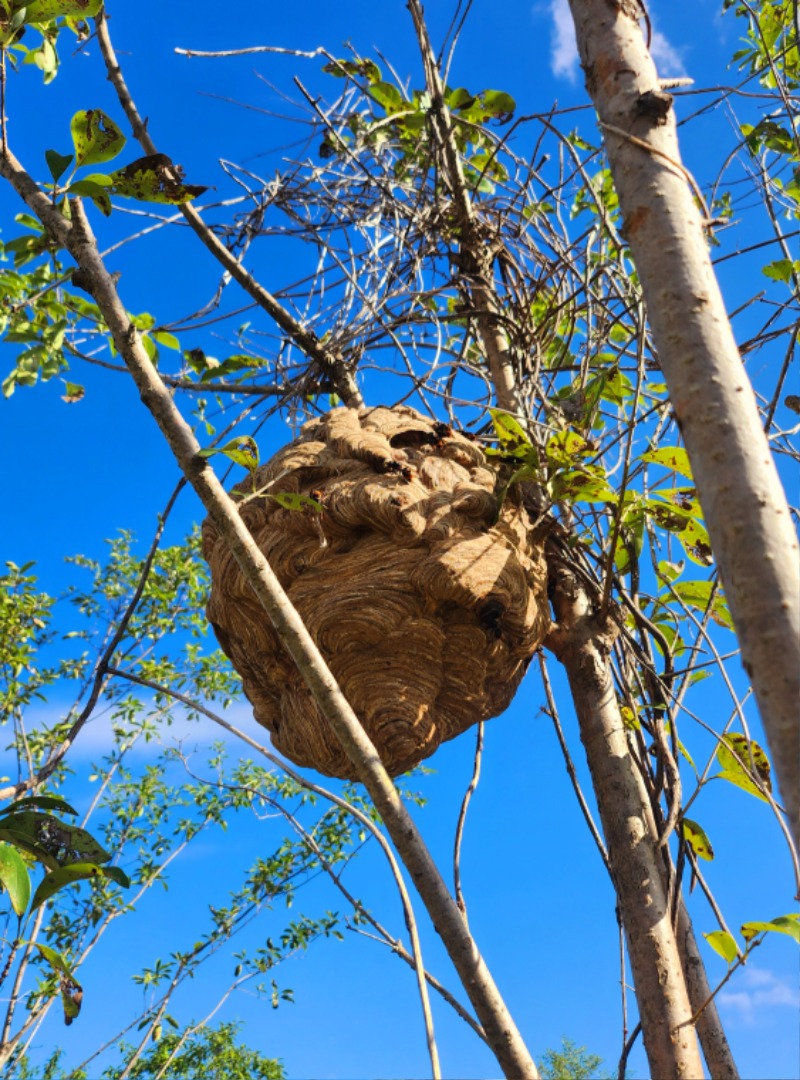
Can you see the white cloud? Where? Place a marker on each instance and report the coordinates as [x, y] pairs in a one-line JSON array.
[[666, 56], [564, 60], [758, 990], [96, 737]]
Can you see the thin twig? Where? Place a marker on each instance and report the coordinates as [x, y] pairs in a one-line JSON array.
[[57, 754], [552, 712], [363, 819], [462, 817]]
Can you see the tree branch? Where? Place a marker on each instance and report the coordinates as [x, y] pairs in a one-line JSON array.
[[330, 363], [501, 1032]]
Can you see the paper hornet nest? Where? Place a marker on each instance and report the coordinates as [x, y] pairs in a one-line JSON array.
[[426, 610]]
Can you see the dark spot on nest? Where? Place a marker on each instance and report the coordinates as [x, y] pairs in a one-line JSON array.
[[489, 615], [412, 437]]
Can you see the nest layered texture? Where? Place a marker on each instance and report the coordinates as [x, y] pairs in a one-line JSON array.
[[425, 604]]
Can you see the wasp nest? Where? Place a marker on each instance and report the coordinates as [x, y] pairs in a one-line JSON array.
[[426, 607]]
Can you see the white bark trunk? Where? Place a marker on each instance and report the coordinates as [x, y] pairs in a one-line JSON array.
[[746, 512], [582, 643]]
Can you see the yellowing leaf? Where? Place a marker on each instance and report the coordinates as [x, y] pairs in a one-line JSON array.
[[697, 594], [696, 838], [744, 764], [783, 924], [565, 446], [671, 457], [696, 543], [508, 430], [71, 989], [154, 179], [95, 137], [723, 943], [682, 750], [291, 500], [45, 10], [629, 718], [169, 341]]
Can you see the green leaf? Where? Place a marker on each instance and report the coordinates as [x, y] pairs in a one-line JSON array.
[[581, 485], [509, 431], [566, 447], [57, 163], [723, 943], [53, 958], [154, 179], [743, 762], [697, 594], [54, 843], [67, 875], [783, 924], [93, 184], [682, 749], [696, 543], [781, 269], [460, 98], [388, 96], [95, 137], [114, 873], [23, 841], [71, 990], [243, 450], [291, 500], [695, 836], [14, 878], [43, 802], [96, 187], [670, 571], [499, 105], [671, 457], [45, 10], [169, 341], [143, 321]]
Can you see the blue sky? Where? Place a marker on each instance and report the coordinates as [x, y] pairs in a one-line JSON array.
[[539, 903]]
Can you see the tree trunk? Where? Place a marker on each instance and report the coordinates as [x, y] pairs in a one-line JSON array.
[[583, 646], [713, 1040], [745, 508]]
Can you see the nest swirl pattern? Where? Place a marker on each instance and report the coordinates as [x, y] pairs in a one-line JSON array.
[[427, 609]]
